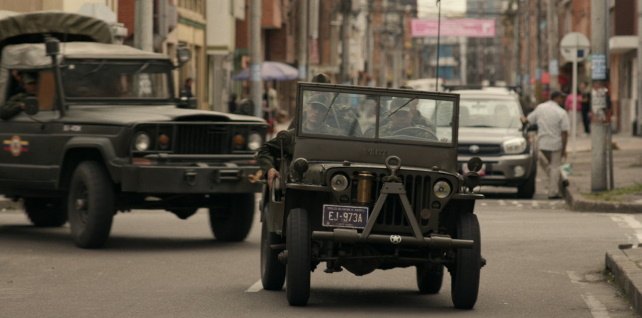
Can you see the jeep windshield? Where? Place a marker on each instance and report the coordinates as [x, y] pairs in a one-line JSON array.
[[104, 79], [381, 115]]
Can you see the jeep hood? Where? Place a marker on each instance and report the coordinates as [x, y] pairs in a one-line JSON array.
[[129, 115], [469, 135]]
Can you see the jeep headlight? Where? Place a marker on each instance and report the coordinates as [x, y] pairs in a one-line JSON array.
[[141, 142], [441, 189], [339, 182], [513, 146], [254, 141]]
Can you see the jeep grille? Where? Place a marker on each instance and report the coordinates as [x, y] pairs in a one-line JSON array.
[[392, 217], [202, 139]]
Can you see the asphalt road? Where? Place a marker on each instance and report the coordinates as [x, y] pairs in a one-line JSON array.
[[543, 261]]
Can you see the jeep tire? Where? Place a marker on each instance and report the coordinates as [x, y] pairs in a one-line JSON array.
[[232, 221], [45, 212], [297, 270], [272, 270], [465, 271], [430, 278], [90, 205]]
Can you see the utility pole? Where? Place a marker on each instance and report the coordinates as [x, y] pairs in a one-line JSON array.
[[346, 12], [302, 43], [600, 125], [638, 121], [255, 56], [143, 29], [551, 23]]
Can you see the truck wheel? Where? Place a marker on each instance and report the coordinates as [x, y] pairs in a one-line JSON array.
[[429, 278], [45, 212], [272, 271], [298, 266], [527, 190], [465, 271], [232, 222], [90, 205]]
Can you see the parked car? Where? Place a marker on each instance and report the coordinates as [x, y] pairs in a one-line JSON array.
[[102, 133], [361, 192], [490, 127]]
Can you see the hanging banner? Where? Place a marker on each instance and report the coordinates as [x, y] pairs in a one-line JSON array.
[[472, 28]]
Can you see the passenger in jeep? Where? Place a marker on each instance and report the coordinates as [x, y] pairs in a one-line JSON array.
[[16, 103]]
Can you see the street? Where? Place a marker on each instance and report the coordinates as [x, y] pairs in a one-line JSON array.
[[543, 261]]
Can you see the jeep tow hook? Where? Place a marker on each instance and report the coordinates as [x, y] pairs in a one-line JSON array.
[[190, 177]]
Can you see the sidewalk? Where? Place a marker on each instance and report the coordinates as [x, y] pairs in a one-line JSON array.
[[625, 262]]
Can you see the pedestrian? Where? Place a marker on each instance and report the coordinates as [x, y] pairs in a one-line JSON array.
[[186, 91], [231, 103], [245, 107], [552, 135], [574, 109], [17, 103], [586, 107]]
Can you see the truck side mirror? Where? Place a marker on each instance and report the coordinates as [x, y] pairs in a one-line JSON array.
[[183, 55], [31, 105]]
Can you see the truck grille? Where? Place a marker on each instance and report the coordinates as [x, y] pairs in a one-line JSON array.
[[202, 139], [392, 217]]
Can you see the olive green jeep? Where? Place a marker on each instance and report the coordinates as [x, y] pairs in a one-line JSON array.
[[372, 183], [101, 132]]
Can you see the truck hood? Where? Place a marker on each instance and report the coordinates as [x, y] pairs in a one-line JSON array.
[[486, 135], [129, 115]]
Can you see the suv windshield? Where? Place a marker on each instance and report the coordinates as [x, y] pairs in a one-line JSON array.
[[383, 117], [115, 79], [494, 113]]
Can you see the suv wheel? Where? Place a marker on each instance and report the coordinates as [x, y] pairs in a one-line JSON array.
[[298, 266], [45, 212], [232, 221], [272, 270], [527, 189], [90, 205], [429, 278], [465, 271]]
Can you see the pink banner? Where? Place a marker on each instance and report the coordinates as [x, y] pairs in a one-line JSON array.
[[472, 28]]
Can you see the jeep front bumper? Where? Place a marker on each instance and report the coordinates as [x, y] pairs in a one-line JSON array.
[[200, 177]]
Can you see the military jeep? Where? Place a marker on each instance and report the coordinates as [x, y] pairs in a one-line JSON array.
[[370, 184], [103, 133]]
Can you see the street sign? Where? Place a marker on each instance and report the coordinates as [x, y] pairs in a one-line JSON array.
[[574, 47], [598, 67]]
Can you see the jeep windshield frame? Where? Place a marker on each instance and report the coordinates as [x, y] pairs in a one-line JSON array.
[[104, 80], [419, 146]]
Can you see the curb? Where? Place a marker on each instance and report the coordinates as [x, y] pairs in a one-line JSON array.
[[576, 202], [627, 275]]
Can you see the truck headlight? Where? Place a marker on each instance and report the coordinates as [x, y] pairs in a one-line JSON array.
[[513, 146], [254, 141], [141, 142], [441, 189], [339, 182]]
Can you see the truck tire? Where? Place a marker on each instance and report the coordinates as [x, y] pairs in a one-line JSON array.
[[45, 212], [232, 222], [297, 270], [90, 205], [467, 266], [527, 189], [272, 270], [430, 278]]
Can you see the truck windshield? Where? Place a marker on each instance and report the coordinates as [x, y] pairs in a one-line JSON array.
[[114, 79], [394, 118]]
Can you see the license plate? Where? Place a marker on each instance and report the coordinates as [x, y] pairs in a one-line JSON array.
[[354, 217]]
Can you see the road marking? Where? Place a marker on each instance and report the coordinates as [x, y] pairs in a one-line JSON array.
[[629, 221], [519, 205], [535, 204], [257, 287], [597, 308], [502, 203]]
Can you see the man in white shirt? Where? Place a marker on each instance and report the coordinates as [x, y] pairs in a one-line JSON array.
[[552, 134]]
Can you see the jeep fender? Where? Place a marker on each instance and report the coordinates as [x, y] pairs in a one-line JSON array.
[[89, 148]]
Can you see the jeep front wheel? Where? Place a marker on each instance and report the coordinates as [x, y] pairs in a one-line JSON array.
[[297, 270], [466, 269], [272, 270], [232, 221], [90, 205], [45, 212], [429, 278]]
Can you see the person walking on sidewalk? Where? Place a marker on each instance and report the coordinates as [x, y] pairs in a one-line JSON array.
[[552, 134]]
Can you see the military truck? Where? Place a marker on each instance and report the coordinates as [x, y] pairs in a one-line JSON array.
[[369, 180], [102, 133]]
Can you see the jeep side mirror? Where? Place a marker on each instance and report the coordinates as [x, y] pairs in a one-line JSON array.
[[31, 105], [183, 55]]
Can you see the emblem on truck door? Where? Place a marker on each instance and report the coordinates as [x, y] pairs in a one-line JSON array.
[[16, 146]]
